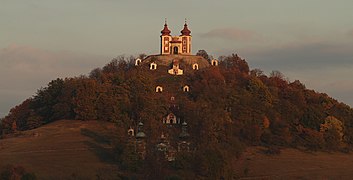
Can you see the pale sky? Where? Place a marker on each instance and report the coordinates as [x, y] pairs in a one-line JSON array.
[[40, 40]]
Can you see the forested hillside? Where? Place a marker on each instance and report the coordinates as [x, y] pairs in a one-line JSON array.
[[227, 108]]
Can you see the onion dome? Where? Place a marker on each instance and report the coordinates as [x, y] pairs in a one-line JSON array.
[[185, 31], [165, 31], [140, 134]]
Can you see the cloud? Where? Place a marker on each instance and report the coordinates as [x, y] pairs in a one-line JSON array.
[[326, 67], [232, 34], [323, 66], [296, 56], [25, 69]]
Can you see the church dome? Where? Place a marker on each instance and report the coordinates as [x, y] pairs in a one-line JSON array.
[[140, 135], [185, 31], [165, 31]]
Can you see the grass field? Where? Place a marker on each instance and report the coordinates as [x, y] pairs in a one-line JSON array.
[[70, 149], [65, 149], [294, 164]]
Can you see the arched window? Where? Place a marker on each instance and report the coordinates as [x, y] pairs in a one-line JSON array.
[[214, 62], [137, 62], [159, 89], [131, 132], [153, 66], [195, 66], [186, 88]]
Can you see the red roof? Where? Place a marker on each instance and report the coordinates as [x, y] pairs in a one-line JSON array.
[[165, 31], [185, 31]]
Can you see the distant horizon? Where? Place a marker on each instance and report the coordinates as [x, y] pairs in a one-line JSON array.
[[44, 40]]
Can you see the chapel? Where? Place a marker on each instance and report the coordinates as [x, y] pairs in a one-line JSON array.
[[176, 44]]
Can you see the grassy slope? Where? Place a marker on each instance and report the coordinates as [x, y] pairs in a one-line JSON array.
[[61, 150], [294, 164]]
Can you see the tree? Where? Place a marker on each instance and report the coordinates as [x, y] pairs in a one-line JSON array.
[[332, 128], [277, 74], [46, 98], [203, 54], [85, 98], [256, 72]]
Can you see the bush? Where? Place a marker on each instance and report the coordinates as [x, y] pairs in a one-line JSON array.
[[11, 172]]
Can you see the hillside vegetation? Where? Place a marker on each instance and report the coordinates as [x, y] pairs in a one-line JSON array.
[[228, 108]]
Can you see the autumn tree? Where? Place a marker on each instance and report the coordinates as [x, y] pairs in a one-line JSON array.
[[46, 98], [85, 98], [333, 131]]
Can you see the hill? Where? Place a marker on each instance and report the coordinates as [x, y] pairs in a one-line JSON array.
[[64, 149], [187, 117]]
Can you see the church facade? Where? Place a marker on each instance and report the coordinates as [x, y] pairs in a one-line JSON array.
[[176, 44]]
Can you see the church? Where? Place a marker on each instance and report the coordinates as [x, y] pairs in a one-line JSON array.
[[176, 53], [176, 44]]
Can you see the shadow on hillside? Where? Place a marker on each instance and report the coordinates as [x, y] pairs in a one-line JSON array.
[[101, 146], [102, 139]]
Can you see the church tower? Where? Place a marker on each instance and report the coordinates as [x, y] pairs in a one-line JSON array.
[[176, 44], [186, 39], [165, 39]]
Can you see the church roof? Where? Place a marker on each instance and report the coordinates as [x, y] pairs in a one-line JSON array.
[[140, 135], [185, 31], [165, 31]]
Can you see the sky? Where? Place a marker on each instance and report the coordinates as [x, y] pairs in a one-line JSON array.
[[41, 40]]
